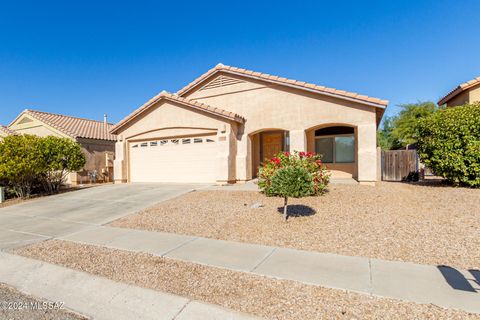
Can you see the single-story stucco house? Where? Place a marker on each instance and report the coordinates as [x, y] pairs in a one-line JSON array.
[[220, 127], [467, 92], [98, 144]]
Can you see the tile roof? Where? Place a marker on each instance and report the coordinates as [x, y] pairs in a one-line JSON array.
[[464, 86], [6, 130], [288, 82], [186, 102], [73, 126]]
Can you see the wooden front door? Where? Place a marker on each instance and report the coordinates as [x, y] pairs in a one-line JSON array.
[[272, 144]]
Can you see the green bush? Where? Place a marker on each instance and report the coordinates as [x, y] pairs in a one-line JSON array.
[[60, 156], [296, 175], [310, 161], [27, 161], [449, 144], [20, 163], [292, 181]]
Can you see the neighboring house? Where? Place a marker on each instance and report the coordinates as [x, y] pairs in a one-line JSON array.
[[467, 92], [98, 144], [220, 127], [4, 131]]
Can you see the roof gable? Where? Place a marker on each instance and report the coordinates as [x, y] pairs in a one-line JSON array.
[[183, 101], [459, 89], [225, 70], [69, 126]]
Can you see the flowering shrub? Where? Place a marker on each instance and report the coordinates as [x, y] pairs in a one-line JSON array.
[[309, 161]]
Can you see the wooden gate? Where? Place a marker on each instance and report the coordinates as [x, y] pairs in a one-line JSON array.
[[397, 164]]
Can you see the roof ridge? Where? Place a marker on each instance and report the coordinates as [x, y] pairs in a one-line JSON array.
[[277, 79], [66, 116]]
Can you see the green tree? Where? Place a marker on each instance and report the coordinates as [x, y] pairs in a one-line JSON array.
[[384, 134], [292, 181], [59, 156], [449, 144], [399, 131], [20, 163]]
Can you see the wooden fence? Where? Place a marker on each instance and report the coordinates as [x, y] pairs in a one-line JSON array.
[[397, 164]]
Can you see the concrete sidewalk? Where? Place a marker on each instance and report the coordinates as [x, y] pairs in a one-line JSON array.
[[442, 286], [101, 298]]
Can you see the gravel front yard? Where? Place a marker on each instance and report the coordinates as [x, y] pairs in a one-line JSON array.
[[393, 221], [19, 306], [261, 296]]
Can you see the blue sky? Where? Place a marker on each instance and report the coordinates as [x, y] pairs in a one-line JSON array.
[[87, 58]]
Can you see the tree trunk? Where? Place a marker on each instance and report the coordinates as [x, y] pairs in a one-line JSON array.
[[285, 208]]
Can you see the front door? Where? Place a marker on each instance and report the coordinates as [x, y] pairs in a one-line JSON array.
[[272, 144]]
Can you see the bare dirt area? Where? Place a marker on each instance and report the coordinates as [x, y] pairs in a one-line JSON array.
[[433, 224], [257, 295], [19, 306]]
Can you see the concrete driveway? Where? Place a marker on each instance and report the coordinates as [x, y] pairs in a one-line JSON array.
[[75, 211]]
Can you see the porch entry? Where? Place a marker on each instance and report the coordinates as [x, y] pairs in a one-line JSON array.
[[272, 143], [265, 145]]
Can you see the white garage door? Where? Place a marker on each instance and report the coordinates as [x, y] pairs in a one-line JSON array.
[[174, 160]]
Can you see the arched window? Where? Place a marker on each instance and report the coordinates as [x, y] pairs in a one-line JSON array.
[[336, 144]]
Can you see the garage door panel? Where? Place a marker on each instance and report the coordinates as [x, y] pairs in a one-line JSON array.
[[192, 162]]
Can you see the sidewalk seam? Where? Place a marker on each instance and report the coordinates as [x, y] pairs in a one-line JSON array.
[[178, 247], [263, 260], [181, 310]]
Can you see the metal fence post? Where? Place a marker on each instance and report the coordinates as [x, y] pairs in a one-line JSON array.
[[2, 194]]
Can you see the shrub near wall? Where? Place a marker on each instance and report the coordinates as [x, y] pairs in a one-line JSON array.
[[27, 162], [310, 161], [449, 144]]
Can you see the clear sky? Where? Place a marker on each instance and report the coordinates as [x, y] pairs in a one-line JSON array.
[[86, 58]]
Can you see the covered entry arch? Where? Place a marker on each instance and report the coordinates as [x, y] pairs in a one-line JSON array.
[[338, 143]]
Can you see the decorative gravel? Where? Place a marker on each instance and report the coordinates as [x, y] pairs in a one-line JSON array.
[[393, 221], [19, 306], [261, 296]]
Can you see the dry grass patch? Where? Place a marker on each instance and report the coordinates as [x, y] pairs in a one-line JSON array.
[[393, 221], [261, 296]]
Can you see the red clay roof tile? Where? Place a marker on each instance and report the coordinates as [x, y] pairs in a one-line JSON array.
[[73, 126]]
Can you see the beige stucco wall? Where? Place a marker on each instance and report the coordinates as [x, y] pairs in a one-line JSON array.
[[276, 107], [168, 119], [97, 155], [474, 94]]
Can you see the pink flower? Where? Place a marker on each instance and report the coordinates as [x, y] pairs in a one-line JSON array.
[[286, 154]]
